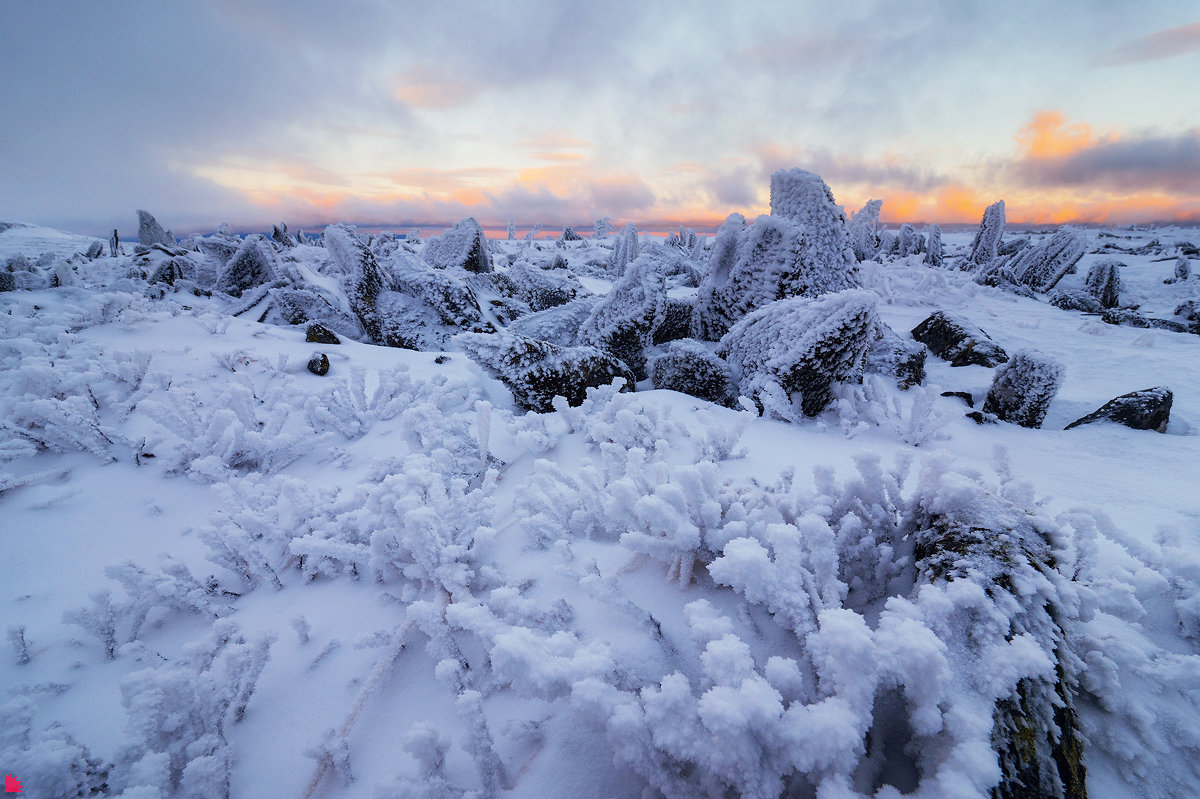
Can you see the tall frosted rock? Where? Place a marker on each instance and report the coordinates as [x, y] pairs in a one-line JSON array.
[[253, 264], [933, 246], [114, 244], [463, 246], [864, 230], [1042, 266], [512, 229], [603, 228], [625, 251], [911, 242], [150, 232], [801, 250], [987, 239], [1104, 282], [623, 323]]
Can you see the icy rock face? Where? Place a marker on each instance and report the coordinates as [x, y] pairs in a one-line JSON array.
[[803, 346], [1023, 388], [863, 231], [691, 368], [984, 247], [1104, 282], [776, 258], [959, 342], [1042, 266], [901, 359], [558, 325], [150, 232], [536, 371], [624, 321], [361, 275], [252, 265], [1148, 409], [464, 246], [1009, 555]]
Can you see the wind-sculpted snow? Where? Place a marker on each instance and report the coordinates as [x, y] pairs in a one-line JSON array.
[[232, 577]]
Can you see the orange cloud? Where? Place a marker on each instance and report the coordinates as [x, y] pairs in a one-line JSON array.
[[1048, 136]]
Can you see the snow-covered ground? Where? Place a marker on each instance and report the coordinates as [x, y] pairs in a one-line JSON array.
[[226, 573]]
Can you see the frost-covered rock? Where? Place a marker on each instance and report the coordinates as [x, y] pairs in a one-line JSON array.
[[690, 367], [803, 346], [444, 290], [558, 325], [219, 246], [910, 241], [901, 359], [933, 246], [297, 305], [773, 259], [318, 364], [1189, 310], [1183, 270], [536, 371], [150, 232], [1104, 282], [544, 288], [985, 246], [94, 250], [1023, 388], [569, 234], [603, 228], [8, 281], [1148, 409], [464, 246], [317, 333], [1075, 300], [1041, 267], [624, 321], [959, 342], [676, 321], [1127, 317], [280, 236], [863, 230], [251, 266], [625, 251]]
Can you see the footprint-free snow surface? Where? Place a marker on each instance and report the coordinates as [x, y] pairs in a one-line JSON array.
[[226, 575]]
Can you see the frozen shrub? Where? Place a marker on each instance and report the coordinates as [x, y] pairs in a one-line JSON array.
[[150, 232], [624, 321], [933, 247], [625, 250], [464, 246], [691, 368], [911, 242], [804, 346], [984, 247], [957, 341], [558, 325], [1104, 282], [863, 231], [774, 259], [1041, 267], [1023, 388], [252, 265], [536, 371]]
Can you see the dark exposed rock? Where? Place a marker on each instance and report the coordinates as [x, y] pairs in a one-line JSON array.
[[537, 371], [8, 281], [1148, 409], [1127, 317], [979, 417], [958, 342], [965, 396], [1075, 300], [317, 333], [1189, 310], [1023, 388], [901, 359], [691, 368], [318, 364]]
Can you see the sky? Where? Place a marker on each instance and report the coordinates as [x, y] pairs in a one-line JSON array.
[[400, 115]]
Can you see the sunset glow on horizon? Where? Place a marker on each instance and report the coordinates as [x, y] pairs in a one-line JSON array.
[[557, 114]]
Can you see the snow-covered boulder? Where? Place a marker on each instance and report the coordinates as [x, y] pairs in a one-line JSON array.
[[959, 342], [1023, 388], [803, 346], [910, 242], [558, 325], [464, 246], [251, 266], [1148, 409], [536, 371], [1075, 300], [298, 305], [688, 366], [1041, 267], [318, 364], [624, 321], [901, 359], [541, 287], [676, 321], [1104, 282], [317, 333], [985, 245]]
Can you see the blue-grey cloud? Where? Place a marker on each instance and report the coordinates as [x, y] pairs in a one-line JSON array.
[[1160, 44], [1130, 164]]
